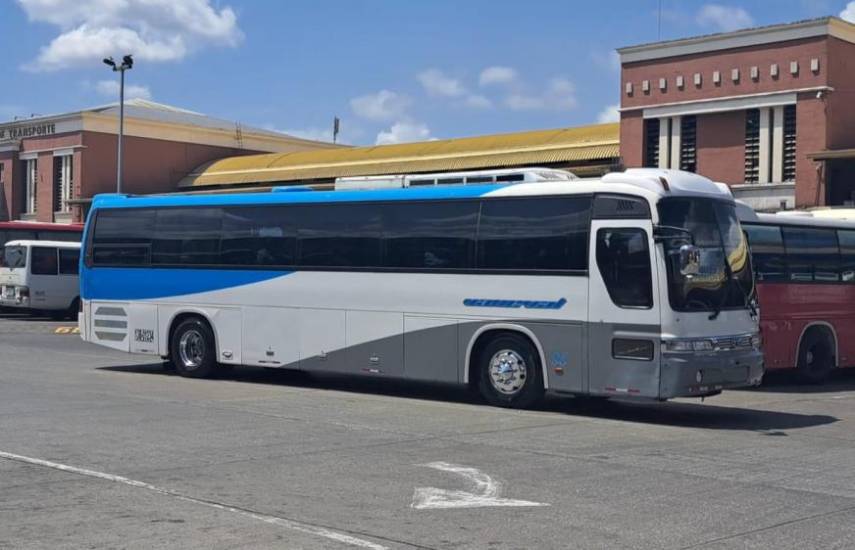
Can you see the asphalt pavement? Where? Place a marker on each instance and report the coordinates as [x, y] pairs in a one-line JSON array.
[[100, 449]]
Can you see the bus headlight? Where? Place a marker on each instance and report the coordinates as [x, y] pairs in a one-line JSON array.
[[23, 294], [687, 345]]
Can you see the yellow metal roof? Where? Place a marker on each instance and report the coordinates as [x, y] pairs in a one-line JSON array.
[[564, 145]]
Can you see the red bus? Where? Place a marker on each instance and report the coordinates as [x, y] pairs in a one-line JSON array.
[[804, 269], [36, 231]]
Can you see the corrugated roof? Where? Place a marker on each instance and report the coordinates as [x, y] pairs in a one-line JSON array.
[[564, 145]]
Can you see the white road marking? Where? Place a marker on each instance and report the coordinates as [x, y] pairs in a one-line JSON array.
[[487, 491], [281, 522]]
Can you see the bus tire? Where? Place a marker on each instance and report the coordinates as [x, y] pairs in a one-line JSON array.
[[192, 349], [816, 356], [510, 373]]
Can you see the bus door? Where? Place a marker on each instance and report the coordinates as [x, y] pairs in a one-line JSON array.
[[44, 282], [624, 316]]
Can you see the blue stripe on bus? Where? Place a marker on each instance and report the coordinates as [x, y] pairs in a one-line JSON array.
[[420, 193], [114, 283]]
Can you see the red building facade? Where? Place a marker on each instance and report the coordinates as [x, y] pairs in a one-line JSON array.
[[51, 167], [769, 111]]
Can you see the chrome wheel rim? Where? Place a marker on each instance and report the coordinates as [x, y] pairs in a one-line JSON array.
[[508, 372], [191, 349]]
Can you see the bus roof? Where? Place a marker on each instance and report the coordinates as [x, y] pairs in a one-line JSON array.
[[56, 244], [646, 182], [41, 226]]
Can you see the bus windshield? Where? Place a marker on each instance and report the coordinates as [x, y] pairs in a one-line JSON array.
[[724, 280], [13, 257]]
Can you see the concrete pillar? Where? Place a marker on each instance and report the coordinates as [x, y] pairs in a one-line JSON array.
[[765, 152], [664, 142], [675, 142], [778, 144]]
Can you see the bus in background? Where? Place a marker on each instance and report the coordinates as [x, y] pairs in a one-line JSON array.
[[41, 276], [805, 274], [475, 177], [38, 231], [636, 284]]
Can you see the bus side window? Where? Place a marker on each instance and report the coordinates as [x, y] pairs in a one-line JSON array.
[[44, 261], [69, 261], [847, 255], [623, 257], [812, 253], [767, 252]]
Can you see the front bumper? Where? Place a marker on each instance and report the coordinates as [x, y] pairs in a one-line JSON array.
[[699, 375]]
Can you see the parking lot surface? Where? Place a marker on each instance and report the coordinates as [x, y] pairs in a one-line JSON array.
[[101, 449]]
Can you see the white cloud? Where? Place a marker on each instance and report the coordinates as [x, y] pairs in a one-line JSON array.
[[723, 18], [384, 105], [609, 114], [404, 132], [110, 89], [437, 83], [497, 75], [559, 95], [478, 101], [151, 30], [848, 12]]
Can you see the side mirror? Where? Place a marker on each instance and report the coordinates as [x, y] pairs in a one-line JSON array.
[[690, 259]]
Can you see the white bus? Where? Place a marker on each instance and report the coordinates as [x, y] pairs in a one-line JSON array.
[[636, 284], [41, 276], [478, 177]]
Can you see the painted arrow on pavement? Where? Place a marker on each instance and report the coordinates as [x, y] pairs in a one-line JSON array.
[[486, 491]]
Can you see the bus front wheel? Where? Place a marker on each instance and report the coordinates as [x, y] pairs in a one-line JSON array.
[[510, 372], [816, 357], [192, 349]]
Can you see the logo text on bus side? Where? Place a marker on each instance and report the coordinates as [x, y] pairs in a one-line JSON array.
[[525, 304]]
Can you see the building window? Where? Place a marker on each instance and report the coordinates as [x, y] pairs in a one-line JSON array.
[[651, 143], [789, 143], [752, 146], [31, 176], [688, 138], [63, 182]]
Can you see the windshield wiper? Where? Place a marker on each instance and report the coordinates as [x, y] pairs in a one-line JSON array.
[[728, 276]]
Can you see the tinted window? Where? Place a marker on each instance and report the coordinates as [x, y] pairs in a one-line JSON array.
[[847, 255], [439, 235], [122, 237], [69, 261], [812, 254], [43, 261], [121, 226], [767, 251], [542, 233], [262, 236], [339, 235], [623, 257], [187, 236]]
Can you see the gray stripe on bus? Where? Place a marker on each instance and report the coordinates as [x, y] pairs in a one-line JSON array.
[[111, 336], [104, 310], [106, 323]]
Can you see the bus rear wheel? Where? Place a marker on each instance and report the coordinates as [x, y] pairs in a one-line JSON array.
[[510, 373], [192, 349], [816, 357]]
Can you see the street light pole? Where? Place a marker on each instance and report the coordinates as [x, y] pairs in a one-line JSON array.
[[127, 63]]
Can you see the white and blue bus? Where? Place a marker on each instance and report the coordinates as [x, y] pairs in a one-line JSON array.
[[635, 284]]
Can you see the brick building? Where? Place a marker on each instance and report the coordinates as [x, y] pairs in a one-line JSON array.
[[769, 111], [51, 166]]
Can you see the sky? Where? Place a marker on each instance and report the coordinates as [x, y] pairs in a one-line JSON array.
[[391, 70]]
